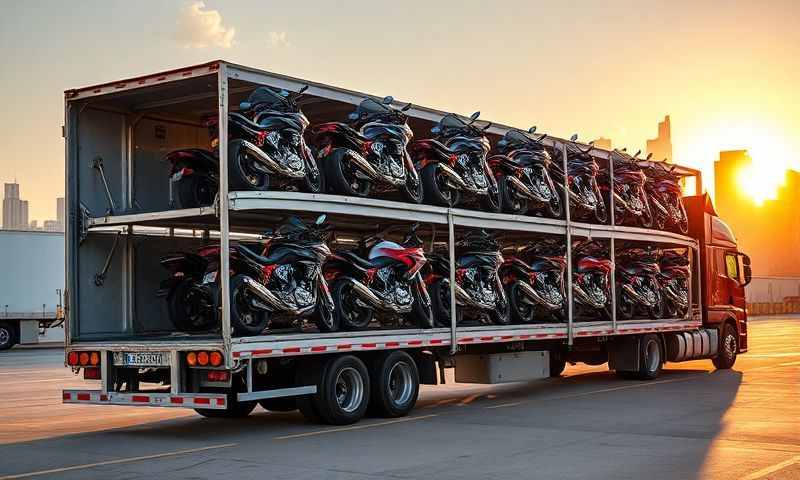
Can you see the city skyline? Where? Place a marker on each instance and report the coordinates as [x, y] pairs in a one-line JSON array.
[[15, 214]]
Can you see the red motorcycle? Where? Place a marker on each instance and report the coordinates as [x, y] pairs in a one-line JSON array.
[[386, 284], [534, 282], [591, 284], [637, 283], [674, 283], [631, 205], [666, 198]]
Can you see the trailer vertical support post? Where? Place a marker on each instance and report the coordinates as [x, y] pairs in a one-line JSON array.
[[224, 226], [613, 247], [174, 372], [569, 242], [451, 248]]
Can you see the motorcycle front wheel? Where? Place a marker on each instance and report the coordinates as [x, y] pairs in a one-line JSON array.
[[509, 202], [421, 310], [439, 292], [625, 306], [554, 207], [342, 176], [600, 213], [325, 317], [314, 181], [246, 319], [435, 189], [491, 201], [412, 189], [242, 172], [521, 311], [351, 315]]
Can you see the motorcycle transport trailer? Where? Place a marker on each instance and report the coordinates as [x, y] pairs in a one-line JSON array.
[[122, 218]]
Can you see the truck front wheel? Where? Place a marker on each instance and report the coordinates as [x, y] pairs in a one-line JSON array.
[[8, 336], [728, 348]]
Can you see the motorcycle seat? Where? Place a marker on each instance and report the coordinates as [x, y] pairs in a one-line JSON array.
[[364, 264], [238, 117], [246, 252]]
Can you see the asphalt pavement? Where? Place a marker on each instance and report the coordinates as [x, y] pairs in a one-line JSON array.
[[692, 422]]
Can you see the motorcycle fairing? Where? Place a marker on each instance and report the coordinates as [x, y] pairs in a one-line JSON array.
[[196, 158], [588, 264]]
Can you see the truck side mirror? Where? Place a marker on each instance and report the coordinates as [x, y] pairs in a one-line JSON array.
[[747, 270]]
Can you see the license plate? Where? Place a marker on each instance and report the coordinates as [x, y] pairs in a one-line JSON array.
[[141, 359], [210, 277]]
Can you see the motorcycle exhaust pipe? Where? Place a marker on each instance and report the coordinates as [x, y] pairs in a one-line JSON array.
[[365, 294], [525, 191], [678, 299], [271, 299], [637, 297], [585, 298], [367, 169], [618, 200], [453, 178], [465, 299], [534, 296], [270, 163], [661, 208]]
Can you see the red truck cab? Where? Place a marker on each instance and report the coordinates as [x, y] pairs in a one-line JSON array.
[[725, 271]]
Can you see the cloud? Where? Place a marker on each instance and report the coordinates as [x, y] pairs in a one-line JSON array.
[[201, 28], [278, 39]]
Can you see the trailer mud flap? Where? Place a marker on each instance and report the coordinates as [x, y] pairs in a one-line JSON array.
[[187, 400], [623, 353]]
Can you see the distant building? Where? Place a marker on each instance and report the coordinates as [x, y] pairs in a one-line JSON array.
[[53, 226], [60, 213], [767, 232], [34, 225], [661, 146], [15, 210], [603, 142]]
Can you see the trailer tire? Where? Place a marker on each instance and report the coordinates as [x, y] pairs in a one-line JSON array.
[[283, 404], [394, 380], [343, 391], [728, 348], [8, 336]]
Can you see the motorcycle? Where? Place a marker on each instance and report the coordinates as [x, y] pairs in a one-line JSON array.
[[387, 283], [631, 205], [370, 153], [283, 282], [637, 283], [673, 281], [266, 146], [522, 172], [592, 277], [478, 288], [454, 164], [534, 282], [585, 198], [665, 195]]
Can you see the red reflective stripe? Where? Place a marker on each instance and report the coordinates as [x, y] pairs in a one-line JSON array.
[[178, 400], [263, 351], [161, 79], [436, 341], [344, 347], [507, 337], [66, 396], [291, 350], [186, 74], [85, 397], [524, 337], [236, 354], [141, 398], [415, 342], [202, 401], [392, 344], [221, 402], [319, 348], [369, 345], [468, 339], [487, 339], [541, 335]]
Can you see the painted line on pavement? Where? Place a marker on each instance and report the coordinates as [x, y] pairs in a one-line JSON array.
[[115, 462], [354, 427], [771, 469]]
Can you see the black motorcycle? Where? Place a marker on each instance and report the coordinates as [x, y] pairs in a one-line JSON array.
[[638, 287], [369, 154], [591, 284], [279, 285], [673, 280], [534, 282], [523, 178], [386, 284], [453, 164], [631, 204], [585, 199], [666, 197], [266, 149], [478, 288]]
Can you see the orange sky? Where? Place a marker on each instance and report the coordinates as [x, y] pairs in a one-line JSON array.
[[726, 72]]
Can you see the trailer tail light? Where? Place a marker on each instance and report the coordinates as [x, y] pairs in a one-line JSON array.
[[94, 358], [217, 375], [204, 359], [72, 359], [91, 373], [83, 359]]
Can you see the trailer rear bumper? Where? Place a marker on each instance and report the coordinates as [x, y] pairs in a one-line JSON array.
[[214, 401]]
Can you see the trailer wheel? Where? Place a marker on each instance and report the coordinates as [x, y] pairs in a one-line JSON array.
[[394, 383], [343, 391], [729, 346], [309, 373], [283, 404], [650, 359], [8, 336], [557, 364]]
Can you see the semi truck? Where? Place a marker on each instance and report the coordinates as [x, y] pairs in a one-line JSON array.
[[122, 219], [31, 286]]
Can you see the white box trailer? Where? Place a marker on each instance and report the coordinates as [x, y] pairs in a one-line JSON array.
[[122, 219], [31, 285]]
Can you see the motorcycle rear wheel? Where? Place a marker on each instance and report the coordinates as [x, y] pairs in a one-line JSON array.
[[246, 320], [439, 292], [421, 314], [555, 207], [625, 306], [491, 201], [412, 190], [196, 190], [340, 177], [435, 190], [185, 312], [351, 316], [520, 311], [509, 202], [241, 173]]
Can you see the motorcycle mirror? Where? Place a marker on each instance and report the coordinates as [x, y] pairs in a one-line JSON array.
[[637, 153], [305, 87], [353, 116], [475, 116], [414, 227], [487, 126], [436, 130], [245, 105], [283, 93], [544, 135], [387, 100], [624, 149], [321, 219], [591, 144], [406, 108], [532, 129], [574, 137], [649, 156]]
